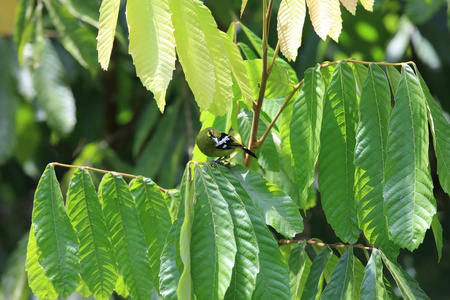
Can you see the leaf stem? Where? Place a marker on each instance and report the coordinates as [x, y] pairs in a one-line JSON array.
[[320, 244]]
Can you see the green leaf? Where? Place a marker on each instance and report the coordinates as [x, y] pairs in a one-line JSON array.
[[14, 283], [290, 20], [39, 284], [360, 72], [297, 262], [154, 217], [408, 286], [285, 137], [370, 158], [53, 93], [316, 274], [109, 11], [278, 209], [56, 240], [8, 103], [213, 246], [306, 123], [23, 25], [408, 190], [337, 140], [268, 153], [152, 44], [394, 78], [126, 235], [277, 83], [437, 233], [238, 68], [272, 281], [98, 265], [246, 265], [373, 284], [440, 129], [340, 284], [76, 36]]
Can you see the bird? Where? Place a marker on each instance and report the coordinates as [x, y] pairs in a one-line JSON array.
[[214, 143]]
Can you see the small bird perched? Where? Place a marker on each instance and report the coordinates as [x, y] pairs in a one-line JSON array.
[[214, 143]]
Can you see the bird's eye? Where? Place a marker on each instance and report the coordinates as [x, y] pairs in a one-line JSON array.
[[210, 133]]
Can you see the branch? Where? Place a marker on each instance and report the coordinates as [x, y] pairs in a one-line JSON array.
[[320, 244], [103, 171]]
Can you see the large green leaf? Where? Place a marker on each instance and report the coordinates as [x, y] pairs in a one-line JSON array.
[[126, 235], [154, 217], [98, 265], [305, 129], [408, 190], [290, 20], [279, 210], [272, 281], [53, 93], [277, 83], [315, 275], [340, 285], [337, 140], [39, 284], [77, 37], [8, 103], [109, 10], [152, 44], [213, 245], [408, 286], [246, 265], [370, 158], [440, 129], [373, 284], [56, 239], [297, 263]]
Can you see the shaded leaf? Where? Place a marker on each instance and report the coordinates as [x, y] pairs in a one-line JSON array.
[[297, 262], [340, 284], [437, 233], [315, 275], [373, 284]]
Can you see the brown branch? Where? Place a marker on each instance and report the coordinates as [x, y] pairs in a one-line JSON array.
[[320, 244], [102, 171]]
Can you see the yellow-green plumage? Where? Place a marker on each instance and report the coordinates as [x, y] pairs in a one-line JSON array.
[[214, 143]]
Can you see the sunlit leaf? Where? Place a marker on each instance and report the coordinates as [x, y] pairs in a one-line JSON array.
[[109, 10], [290, 20], [367, 4], [350, 5]]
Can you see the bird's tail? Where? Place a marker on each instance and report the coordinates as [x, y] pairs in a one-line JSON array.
[[249, 152]]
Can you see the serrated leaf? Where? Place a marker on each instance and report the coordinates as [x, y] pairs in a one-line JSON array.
[[297, 262], [394, 78], [213, 246], [315, 275], [109, 11], [340, 284], [440, 129], [367, 4], [272, 281], [277, 83], [437, 233], [305, 127], [360, 71], [246, 265], [126, 235], [154, 217], [290, 20], [370, 158], [39, 284], [76, 36], [320, 14], [238, 68], [98, 265], [53, 93], [408, 189], [350, 5], [336, 20], [335, 164], [278, 208], [152, 45], [373, 284], [408, 286], [56, 240]]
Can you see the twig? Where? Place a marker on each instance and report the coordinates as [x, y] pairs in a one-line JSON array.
[[102, 171], [320, 244]]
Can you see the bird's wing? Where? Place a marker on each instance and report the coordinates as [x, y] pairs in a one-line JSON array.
[[226, 141]]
